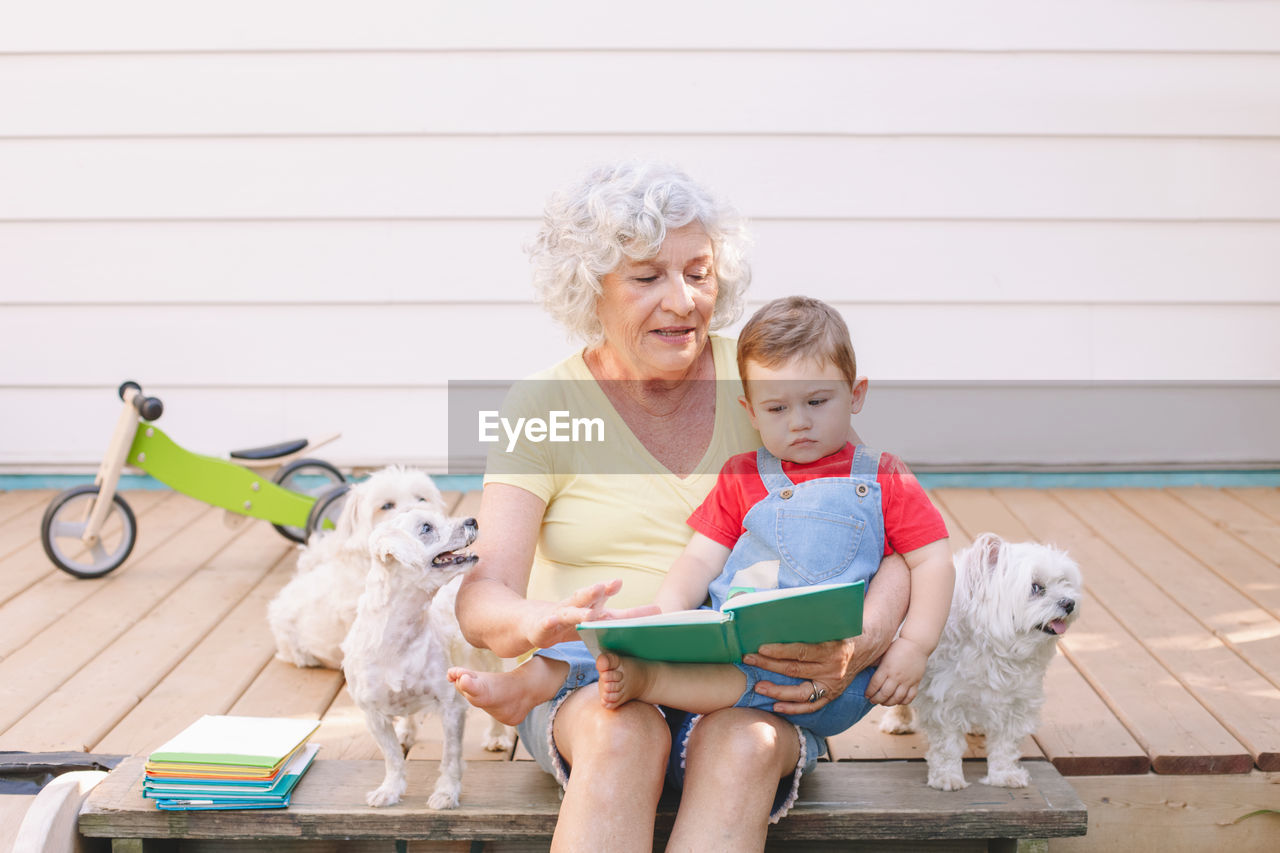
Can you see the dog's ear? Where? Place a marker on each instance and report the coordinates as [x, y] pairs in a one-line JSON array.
[[989, 545], [983, 557], [391, 544], [345, 526], [352, 517]]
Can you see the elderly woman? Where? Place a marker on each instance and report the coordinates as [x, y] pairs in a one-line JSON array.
[[643, 264]]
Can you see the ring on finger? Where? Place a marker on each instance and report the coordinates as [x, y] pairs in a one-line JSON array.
[[816, 692]]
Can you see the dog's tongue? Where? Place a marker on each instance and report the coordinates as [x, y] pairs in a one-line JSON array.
[[1057, 626]]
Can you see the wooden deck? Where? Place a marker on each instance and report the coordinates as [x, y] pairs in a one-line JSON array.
[[1163, 708]]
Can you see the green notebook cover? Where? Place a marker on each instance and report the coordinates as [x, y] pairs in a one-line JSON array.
[[809, 614]]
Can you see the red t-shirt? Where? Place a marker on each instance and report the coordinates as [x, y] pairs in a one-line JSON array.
[[911, 520]]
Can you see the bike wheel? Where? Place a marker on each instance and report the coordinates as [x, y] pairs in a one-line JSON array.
[[311, 477], [324, 514], [64, 522]]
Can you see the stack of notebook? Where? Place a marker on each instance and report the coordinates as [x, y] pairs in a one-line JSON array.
[[231, 763]]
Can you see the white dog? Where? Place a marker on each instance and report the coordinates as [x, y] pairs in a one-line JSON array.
[[1012, 602], [312, 614], [403, 641]]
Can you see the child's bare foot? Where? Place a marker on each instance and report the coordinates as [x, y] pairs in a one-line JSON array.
[[623, 679], [506, 696]]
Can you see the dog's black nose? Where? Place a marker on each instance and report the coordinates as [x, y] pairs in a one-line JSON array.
[[470, 522], [1067, 604]]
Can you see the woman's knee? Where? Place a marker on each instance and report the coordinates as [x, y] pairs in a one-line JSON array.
[[634, 735], [745, 741]]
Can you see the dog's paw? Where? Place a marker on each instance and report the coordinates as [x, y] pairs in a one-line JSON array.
[[898, 720], [443, 798], [1007, 777], [947, 780], [500, 743], [386, 794]]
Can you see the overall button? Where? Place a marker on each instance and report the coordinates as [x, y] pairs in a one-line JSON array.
[[862, 490], [785, 494]]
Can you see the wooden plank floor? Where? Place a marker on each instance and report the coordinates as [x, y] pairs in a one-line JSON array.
[[1173, 668]]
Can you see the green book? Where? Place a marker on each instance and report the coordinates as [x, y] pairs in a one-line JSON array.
[[806, 614]]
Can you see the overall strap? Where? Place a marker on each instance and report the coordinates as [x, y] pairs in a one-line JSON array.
[[866, 462], [770, 469]]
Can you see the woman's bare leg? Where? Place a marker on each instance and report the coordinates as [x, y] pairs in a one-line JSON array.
[[733, 763], [618, 760]]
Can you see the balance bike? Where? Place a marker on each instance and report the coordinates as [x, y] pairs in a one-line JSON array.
[[89, 530]]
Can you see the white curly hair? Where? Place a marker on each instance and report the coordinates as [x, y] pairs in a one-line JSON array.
[[625, 210]]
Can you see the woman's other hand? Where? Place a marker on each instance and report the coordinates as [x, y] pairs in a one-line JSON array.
[[832, 666], [829, 666]]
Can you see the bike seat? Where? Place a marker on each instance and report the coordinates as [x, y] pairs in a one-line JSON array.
[[271, 451]]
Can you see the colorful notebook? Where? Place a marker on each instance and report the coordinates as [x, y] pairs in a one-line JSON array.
[[176, 794], [222, 762], [252, 743]]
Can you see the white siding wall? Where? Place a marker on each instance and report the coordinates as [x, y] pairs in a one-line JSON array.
[[291, 217]]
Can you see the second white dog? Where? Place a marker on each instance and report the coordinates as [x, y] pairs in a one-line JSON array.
[[1012, 602], [403, 641], [312, 614]]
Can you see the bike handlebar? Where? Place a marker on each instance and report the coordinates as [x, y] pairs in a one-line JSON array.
[[149, 408]]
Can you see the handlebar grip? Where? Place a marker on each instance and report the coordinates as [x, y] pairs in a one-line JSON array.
[[150, 408]]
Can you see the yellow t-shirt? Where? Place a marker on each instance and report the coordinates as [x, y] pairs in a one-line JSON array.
[[613, 510]]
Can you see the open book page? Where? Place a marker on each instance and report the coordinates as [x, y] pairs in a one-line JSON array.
[[676, 617], [746, 598]]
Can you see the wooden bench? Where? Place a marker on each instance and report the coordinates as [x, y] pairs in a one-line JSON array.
[[509, 806]]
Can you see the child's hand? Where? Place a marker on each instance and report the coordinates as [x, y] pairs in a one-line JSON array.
[[899, 673]]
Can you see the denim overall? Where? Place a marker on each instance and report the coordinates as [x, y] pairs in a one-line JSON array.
[[829, 530]]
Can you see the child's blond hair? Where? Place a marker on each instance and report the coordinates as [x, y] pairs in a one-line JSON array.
[[796, 327]]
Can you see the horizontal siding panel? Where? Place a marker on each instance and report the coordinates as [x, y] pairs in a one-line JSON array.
[[770, 177], [1065, 424], [68, 429], [151, 25], [252, 262], [399, 262], [283, 346], [928, 424], [543, 92]]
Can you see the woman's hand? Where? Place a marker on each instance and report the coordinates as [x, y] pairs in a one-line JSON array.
[[556, 622], [829, 666], [832, 666]]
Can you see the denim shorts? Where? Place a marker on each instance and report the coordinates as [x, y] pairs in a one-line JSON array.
[[536, 734]]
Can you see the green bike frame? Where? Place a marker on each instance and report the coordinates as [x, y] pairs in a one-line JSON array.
[[216, 481]]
